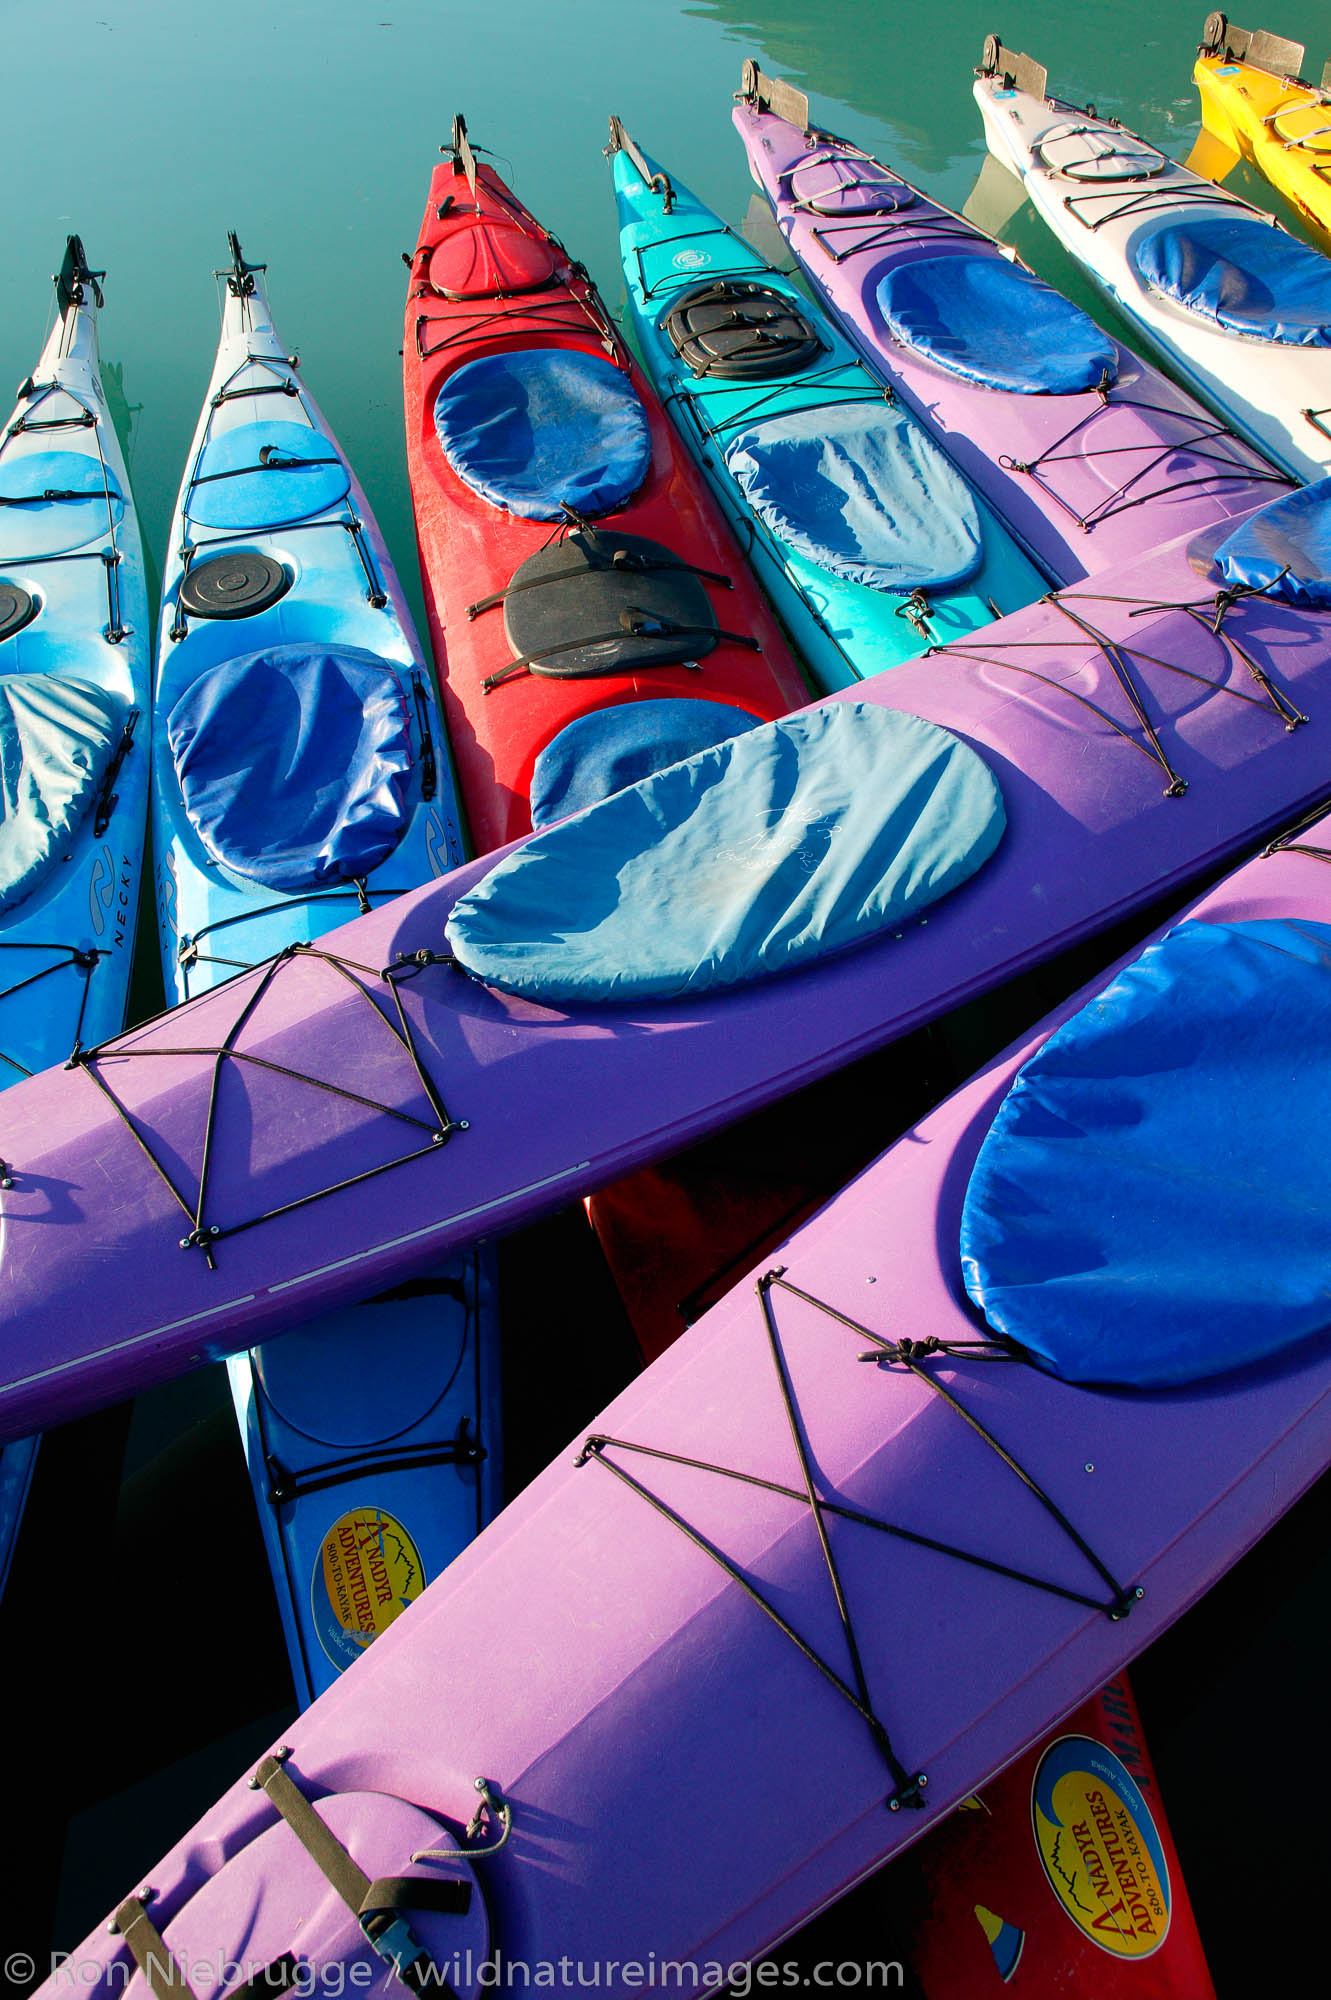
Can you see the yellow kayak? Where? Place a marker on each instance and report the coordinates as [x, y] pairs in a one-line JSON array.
[[1256, 107]]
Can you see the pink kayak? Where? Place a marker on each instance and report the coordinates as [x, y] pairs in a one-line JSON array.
[[779, 1610], [1087, 453], [539, 1022]]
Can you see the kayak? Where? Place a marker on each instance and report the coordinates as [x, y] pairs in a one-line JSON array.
[[373, 1441], [981, 1895], [849, 1593], [74, 681], [1234, 305], [279, 600], [1255, 107], [866, 538], [1060, 1876], [591, 614], [300, 775], [484, 1050], [1087, 453]]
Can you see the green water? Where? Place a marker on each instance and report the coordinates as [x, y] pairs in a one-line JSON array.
[[311, 129]]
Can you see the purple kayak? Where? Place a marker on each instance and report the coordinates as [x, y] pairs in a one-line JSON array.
[[779, 1610], [321, 1128], [1087, 453]]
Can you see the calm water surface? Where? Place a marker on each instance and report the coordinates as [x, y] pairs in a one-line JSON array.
[[311, 129], [153, 128]]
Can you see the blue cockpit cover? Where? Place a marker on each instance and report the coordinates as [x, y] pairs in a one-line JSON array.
[[55, 500], [57, 738], [265, 474], [863, 493], [545, 430], [997, 324], [785, 844], [1244, 275], [603, 752], [1284, 549], [1151, 1204], [295, 764]]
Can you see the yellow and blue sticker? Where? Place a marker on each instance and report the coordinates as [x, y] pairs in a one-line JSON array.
[[368, 1571], [1100, 1848]]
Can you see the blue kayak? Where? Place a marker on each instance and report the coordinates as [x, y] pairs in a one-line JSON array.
[[301, 774], [74, 686]]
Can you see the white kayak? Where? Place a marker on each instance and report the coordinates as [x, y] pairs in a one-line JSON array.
[[1234, 305]]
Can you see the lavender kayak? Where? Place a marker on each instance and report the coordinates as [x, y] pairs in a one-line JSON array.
[[1089, 454], [778, 1610], [365, 1126]]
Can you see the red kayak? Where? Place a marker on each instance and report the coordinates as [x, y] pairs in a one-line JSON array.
[[1059, 1877], [578, 575]]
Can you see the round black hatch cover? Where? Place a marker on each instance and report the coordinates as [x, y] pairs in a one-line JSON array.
[[599, 603], [738, 330], [18, 607], [233, 586]]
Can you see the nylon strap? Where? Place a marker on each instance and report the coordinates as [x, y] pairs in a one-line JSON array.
[[377, 1905], [313, 1833], [164, 1978], [662, 628]]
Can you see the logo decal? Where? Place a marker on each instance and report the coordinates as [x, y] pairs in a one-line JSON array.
[[369, 1570], [443, 849], [1100, 1847], [101, 889], [691, 260]]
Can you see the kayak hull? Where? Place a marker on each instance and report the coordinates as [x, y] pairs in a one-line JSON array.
[[844, 629], [67, 949], [617, 1673], [1276, 123], [1270, 393], [534, 1105], [470, 548], [1085, 481], [362, 1497]]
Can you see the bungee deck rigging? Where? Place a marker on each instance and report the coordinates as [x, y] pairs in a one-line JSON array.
[[1210, 615], [436, 1129], [911, 1355], [1238, 308], [864, 534], [1086, 463], [1197, 431]]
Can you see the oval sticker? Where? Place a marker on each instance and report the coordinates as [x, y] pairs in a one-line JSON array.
[[1100, 1848], [369, 1570]]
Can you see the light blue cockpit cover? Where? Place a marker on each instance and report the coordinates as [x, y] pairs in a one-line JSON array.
[[863, 493], [602, 752], [263, 475], [1244, 275], [1152, 1204], [295, 763], [769, 851], [1284, 549], [51, 501], [57, 738], [994, 323], [544, 430]]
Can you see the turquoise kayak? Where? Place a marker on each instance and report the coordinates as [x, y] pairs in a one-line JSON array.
[[867, 539]]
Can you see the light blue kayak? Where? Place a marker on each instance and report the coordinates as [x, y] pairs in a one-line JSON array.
[[74, 685], [301, 775], [865, 536]]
